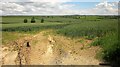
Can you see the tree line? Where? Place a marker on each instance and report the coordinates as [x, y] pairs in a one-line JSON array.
[[33, 20]]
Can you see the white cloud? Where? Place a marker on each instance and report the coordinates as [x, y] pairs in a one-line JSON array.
[[12, 8], [34, 8], [58, 0], [106, 8], [58, 8], [52, 1], [102, 8]]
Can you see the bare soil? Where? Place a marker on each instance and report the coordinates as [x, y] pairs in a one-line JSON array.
[[50, 49]]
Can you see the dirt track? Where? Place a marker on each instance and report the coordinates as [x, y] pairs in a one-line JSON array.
[[54, 49]]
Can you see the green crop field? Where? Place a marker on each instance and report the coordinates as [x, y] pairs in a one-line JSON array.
[[102, 29]]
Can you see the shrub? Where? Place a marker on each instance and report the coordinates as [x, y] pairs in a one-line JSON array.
[[97, 42], [33, 20], [25, 20], [110, 48], [42, 20]]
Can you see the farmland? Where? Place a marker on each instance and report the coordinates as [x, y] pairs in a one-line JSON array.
[[101, 31]]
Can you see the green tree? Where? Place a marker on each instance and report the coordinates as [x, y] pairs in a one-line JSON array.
[[42, 20], [33, 20], [25, 20]]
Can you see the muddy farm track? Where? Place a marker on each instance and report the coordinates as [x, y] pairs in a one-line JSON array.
[[41, 49]]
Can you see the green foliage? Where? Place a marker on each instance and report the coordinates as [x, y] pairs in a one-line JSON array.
[[25, 20], [89, 29], [31, 27], [42, 20], [97, 42], [8, 37], [33, 20], [111, 48]]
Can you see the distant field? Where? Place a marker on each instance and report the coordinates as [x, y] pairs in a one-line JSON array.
[[65, 19], [19, 19], [72, 26], [89, 27]]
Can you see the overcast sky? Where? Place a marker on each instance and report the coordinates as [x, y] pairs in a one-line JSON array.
[[59, 7]]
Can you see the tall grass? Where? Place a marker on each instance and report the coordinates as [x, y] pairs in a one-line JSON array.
[[110, 48], [89, 29], [31, 27]]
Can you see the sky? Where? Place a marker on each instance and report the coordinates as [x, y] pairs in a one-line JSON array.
[[59, 7]]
